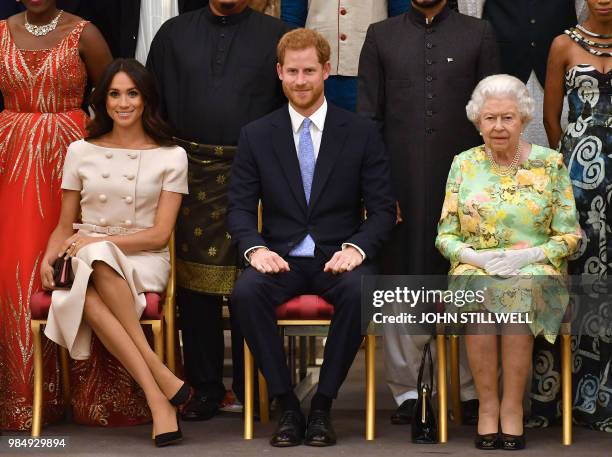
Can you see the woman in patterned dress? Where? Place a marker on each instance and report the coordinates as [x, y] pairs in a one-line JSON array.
[[580, 67], [45, 58], [508, 210]]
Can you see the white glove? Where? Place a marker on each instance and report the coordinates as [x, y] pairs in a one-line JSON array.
[[478, 258], [510, 262]]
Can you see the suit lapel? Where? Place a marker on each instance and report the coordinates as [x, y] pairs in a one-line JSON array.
[[284, 148], [334, 136]]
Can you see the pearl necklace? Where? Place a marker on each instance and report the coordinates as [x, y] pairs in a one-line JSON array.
[[41, 30], [504, 170]]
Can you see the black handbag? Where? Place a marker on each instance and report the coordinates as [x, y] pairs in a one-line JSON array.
[[424, 425], [62, 273]]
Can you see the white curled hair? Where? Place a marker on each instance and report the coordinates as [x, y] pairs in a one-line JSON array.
[[500, 86]]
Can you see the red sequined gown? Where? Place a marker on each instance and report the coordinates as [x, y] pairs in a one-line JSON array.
[[43, 92]]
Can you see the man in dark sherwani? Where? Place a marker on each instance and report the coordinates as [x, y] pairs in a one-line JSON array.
[[416, 74]]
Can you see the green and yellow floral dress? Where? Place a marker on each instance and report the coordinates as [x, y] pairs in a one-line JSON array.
[[533, 208]]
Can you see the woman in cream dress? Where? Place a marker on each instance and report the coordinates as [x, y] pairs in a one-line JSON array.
[[126, 181]]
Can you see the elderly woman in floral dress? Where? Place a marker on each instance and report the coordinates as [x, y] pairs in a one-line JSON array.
[[509, 210]]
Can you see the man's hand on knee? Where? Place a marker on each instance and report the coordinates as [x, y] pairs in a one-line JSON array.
[[346, 260], [266, 261]]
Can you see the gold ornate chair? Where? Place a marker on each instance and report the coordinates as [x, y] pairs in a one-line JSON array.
[[159, 314], [566, 379]]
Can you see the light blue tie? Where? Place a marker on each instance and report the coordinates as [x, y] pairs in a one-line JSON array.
[[306, 157]]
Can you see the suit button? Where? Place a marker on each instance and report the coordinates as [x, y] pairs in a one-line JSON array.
[[128, 222], [533, 44], [343, 37], [429, 78], [105, 174], [132, 155], [102, 198], [102, 221], [429, 45], [128, 199], [130, 176], [429, 131], [343, 11], [533, 21], [430, 96], [429, 113], [429, 62], [109, 155]]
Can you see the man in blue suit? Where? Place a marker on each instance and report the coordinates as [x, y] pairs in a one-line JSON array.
[[313, 166]]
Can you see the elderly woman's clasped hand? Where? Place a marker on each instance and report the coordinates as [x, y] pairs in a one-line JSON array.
[[502, 262]]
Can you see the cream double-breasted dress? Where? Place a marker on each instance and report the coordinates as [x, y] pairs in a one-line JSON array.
[[119, 188]]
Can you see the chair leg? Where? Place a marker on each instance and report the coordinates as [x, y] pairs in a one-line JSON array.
[[65, 368], [170, 338], [442, 392], [566, 386], [248, 393], [264, 405], [37, 412], [158, 342], [370, 386], [455, 380]]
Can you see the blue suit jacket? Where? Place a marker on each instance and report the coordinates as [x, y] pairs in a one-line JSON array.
[[351, 170]]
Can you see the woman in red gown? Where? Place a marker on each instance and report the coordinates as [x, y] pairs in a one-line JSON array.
[[46, 56]]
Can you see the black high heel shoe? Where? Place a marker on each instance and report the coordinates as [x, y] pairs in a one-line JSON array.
[[182, 396], [513, 442], [164, 439], [488, 441]]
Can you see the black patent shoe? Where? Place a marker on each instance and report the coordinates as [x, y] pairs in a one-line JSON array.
[[165, 439], [290, 429], [182, 396], [513, 442], [403, 413], [488, 441], [200, 408], [319, 431]]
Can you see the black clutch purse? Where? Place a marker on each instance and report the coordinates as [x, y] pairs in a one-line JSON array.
[[424, 425], [62, 273]]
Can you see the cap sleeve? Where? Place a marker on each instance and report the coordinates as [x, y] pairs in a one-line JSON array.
[[175, 178], [71, 179]]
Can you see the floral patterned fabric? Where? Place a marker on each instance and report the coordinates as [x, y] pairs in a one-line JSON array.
[[533, 208]]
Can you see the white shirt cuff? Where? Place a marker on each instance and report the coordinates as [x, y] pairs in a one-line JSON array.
[[363, 256], [246, 253]]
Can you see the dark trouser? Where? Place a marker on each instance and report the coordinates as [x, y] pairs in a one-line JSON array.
[[256, 296], [201, 321]]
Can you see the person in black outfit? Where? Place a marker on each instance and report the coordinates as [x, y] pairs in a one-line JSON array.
[[216, 70]]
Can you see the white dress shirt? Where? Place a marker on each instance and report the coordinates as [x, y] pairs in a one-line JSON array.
[[317, 125]]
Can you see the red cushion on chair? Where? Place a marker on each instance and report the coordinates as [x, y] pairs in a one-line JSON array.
[[41, 302], [305, 307]]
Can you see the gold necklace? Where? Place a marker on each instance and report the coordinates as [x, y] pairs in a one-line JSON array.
[[504, 170], [41, 30]]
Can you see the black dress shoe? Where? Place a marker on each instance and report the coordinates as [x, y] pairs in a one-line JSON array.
[[403, 413], [319, 431], [165, 439], [469, 412], [513, 442], [487, 442], [290, 429], [200, 408]]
